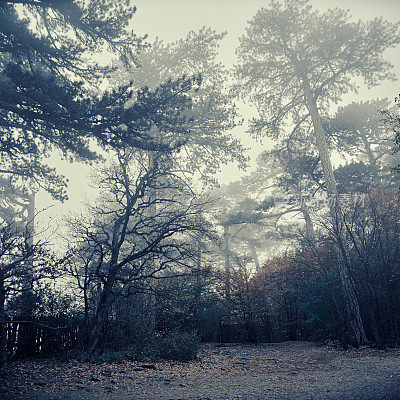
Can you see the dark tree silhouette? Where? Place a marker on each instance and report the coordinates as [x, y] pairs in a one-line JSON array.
[[147, 220]]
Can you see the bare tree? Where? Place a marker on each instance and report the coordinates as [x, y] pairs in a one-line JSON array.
[[129, 241]]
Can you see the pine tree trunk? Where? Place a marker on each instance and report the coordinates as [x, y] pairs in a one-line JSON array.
[[3, 325], [367, 146], [255, 257], [227, 264], [30, 230], [310, 231], [357, 335], [150, 300]]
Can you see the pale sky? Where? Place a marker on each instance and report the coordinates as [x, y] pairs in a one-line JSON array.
[[173, 19]]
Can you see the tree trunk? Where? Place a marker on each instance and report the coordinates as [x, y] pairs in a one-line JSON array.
[[150, 300], [84, 334], [367, 146], [150, 303], [356, 329], [310, 232], [101, 317], [3, 325], [30, 230], [98, 327], [371, 156], [227, 264], [255, 257]]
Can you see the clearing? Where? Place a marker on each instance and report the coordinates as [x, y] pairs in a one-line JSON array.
[[279, 371]]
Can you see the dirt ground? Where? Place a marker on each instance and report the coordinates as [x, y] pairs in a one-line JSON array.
[[290, 370]]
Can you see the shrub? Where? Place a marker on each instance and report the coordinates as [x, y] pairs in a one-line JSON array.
[[179, 346], [109, 357]]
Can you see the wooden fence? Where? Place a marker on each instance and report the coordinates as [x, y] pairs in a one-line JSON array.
[[40, 338]]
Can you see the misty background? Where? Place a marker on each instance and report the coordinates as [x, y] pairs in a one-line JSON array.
[[171, 21]]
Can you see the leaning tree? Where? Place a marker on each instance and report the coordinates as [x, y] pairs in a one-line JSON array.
[[294, 62]]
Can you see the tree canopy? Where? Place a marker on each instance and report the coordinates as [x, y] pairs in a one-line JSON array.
[[290, 41], [213, 114], [50, 81]]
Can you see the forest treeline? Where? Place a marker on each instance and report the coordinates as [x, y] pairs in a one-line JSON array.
[[305, 246]]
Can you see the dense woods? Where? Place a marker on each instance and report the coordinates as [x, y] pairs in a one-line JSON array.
[[304, 245]]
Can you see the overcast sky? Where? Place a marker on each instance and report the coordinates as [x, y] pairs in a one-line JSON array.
[[172, 19]]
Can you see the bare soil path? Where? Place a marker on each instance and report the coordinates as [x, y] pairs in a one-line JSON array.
[[291, 370]]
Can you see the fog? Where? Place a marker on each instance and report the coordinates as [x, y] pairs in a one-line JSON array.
[[181, 179]]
